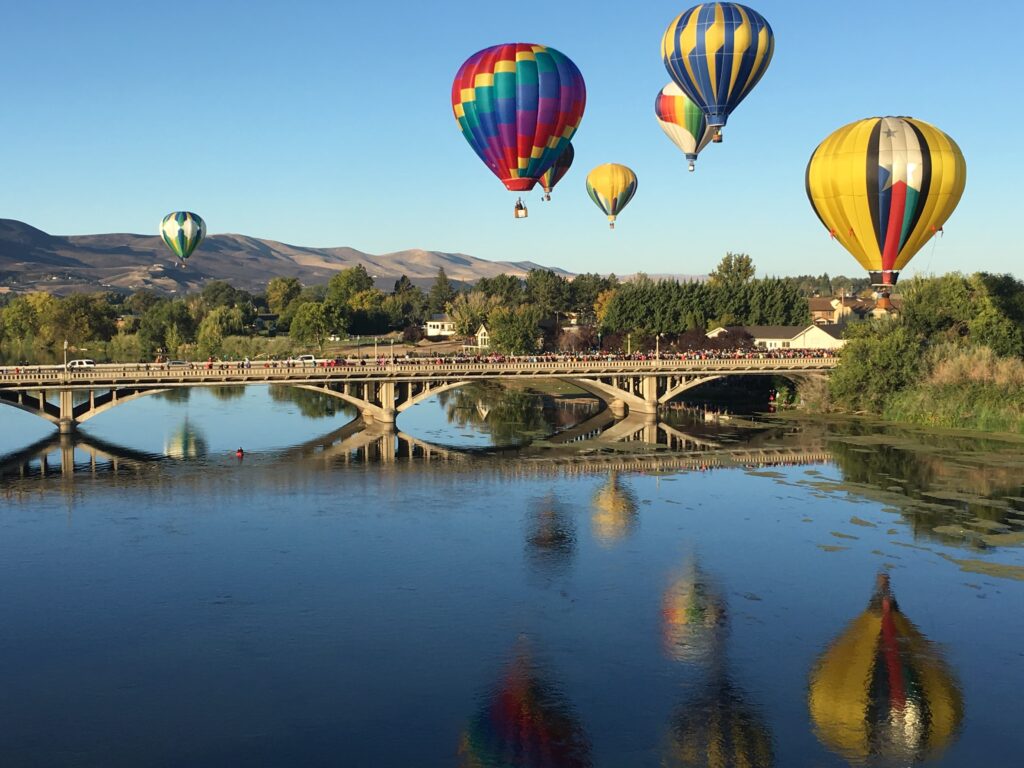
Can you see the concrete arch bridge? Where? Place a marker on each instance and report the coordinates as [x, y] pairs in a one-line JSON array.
[[69, 397]]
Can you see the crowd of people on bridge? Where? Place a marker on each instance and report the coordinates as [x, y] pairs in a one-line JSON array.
[[407, 360]]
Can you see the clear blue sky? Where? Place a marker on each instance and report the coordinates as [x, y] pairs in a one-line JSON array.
[[329, 123]]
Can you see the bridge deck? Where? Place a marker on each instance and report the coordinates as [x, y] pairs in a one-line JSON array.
[[158, 375]]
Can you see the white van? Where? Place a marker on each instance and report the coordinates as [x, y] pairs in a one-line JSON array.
[[79, 364], [306, 360]]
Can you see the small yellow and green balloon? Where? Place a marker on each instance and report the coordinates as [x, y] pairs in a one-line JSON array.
[[611, 186], [182, 232]]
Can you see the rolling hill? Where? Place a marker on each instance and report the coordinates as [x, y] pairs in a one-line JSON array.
[[31, 259]]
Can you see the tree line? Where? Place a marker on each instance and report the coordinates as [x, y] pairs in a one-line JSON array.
[[523, 315]]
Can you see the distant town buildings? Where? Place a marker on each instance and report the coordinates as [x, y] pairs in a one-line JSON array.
[[827, 310]]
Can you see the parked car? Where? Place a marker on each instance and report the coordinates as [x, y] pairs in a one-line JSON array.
[[177, 364], [305, 360], [79, 364]]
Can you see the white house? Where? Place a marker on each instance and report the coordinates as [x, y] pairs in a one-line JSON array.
[[483, 338], [440, 325], [788, 336]]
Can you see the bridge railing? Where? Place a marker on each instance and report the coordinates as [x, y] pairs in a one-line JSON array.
[[268, 370]]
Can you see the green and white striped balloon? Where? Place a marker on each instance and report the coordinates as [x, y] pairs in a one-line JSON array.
[[182, 231]]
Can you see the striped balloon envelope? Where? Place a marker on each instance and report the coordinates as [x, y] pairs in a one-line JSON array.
[[611, 186], [716, 53], [682, 121], [182, 232], [882, 693], [518, 105], [883, 186], [554, 174]]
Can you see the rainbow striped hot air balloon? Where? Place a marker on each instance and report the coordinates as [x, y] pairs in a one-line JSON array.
[[882, 187], [518, 105], [554, 174], [611, 186], [882, 691], [182, 232], [716, 53], [682, 121]]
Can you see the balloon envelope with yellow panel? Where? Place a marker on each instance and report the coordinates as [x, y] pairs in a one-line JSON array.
[[883, 187], [882, 690], [611, 186], [716, 53], [518, 106]]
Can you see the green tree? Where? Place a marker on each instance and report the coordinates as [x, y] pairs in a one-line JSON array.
[[441, 292], [584, 290], [547, 290], [469, 310], [20, 320], [346, 284], [81, 317], [735, 269], [310, 325], [282, 291], [515, 331], [508, 288], [880, 359]]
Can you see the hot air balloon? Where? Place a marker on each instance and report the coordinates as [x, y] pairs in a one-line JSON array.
[[518, 105], [554, 174], [882, 187], [716, 53], [882, 690], [182, 231], [682, 121], [611, 186]]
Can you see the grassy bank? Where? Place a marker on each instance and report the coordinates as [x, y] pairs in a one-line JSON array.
[[965, 389]]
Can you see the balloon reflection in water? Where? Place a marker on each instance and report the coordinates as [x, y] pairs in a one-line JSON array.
[[527, 723], [615, 511], [552, 535], [694, 617], [719, 729], [882, 690], [186, 442]]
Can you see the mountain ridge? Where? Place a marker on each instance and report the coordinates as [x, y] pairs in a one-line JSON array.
[[32, 259]]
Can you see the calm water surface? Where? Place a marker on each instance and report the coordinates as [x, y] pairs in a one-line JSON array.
[[473, 592]]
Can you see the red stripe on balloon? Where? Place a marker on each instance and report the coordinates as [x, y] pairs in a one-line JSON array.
[[892, 235]]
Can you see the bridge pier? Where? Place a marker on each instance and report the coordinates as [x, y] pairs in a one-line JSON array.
[[649, 390], [67, 424]]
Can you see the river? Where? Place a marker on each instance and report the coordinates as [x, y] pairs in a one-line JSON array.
[[509, 579]]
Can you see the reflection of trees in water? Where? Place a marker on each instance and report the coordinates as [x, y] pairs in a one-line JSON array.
[[312, 405], [882, 690], [614, 513], [551, 537], [526, 722], [186, 442], [227, 393], [510, 416], [175, 395], [932, 479], [693, 617]]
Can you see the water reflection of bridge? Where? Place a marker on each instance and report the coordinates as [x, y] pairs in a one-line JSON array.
[[600, 444]]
